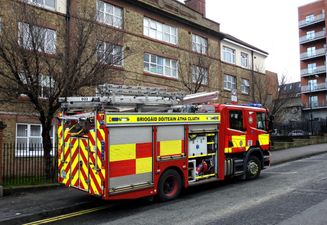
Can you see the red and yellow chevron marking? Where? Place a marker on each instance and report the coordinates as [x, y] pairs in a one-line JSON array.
[[74, 162], [66, 167], [130, 159], [80, 164], [97, 172], [60, 150]]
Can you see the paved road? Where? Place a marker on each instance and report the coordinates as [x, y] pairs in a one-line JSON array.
[[294, 193]]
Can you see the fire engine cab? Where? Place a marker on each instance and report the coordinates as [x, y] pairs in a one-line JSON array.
[[108, 151]]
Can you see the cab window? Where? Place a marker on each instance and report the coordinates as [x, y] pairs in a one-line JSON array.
[[261, 120], [236, 120]]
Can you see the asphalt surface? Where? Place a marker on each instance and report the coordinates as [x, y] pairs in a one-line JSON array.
[[206, 204], [294, 193]]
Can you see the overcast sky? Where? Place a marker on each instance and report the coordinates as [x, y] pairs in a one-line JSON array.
[[271, 25]]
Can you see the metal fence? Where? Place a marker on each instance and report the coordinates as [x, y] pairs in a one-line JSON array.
[[26, 165], [314, 127]]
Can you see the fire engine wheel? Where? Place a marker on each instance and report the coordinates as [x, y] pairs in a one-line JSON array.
[[170, 185], [253, 168]]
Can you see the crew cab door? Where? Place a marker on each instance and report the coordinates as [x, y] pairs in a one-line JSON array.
[[257, 128], [235, 133]]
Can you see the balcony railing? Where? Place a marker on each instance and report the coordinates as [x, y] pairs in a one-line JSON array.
[[316, 19], [313, 37], [314, 88], [316, 53], [315, 105], [314, 71]]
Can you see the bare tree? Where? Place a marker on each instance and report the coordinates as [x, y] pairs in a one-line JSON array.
[[45, 64], [269, 92], [194, 74]]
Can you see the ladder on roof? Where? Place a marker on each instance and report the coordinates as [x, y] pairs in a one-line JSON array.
[[125, 98], [135, 98]]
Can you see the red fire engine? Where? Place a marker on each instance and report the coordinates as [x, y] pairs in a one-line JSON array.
[[128, 155]]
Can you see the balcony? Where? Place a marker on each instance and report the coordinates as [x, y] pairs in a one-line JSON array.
[[314, 37], [313, 54], [314, 71], [316, 19], [315, 105], [314, 88]]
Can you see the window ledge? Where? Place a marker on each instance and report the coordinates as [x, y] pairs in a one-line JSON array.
[[159, 76]]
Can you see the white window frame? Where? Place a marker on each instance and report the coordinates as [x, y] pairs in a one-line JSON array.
[[27, 152], [229, 82], [160, 66], [199, 44], [311, 51], [312, 84], [25, 38], [45, 81], [160, 31], [245, 86], [313, 101], [108, 51], [43, 4], [309, 18], [310, 35], [110, 14], [229, 55], [197, 71], [244, 59], [312, 67]]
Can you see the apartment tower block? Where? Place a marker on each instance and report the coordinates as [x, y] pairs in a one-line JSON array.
[[313, 57]]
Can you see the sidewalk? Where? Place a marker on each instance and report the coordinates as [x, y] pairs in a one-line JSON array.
[[32, 205], [291, 154]]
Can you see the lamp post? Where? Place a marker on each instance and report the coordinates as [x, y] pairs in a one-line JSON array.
[[310, 102]]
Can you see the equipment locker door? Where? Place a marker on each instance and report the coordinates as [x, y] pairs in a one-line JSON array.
[[130, 157]]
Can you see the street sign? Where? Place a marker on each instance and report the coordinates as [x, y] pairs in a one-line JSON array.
[[234, 96]]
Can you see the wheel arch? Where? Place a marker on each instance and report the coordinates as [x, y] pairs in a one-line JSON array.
[[257, 152], [179, 171]]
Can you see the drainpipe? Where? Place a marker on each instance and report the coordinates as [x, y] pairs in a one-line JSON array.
[[67, 38], [252, 74]]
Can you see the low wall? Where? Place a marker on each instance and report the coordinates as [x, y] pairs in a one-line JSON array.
[[298, 142]]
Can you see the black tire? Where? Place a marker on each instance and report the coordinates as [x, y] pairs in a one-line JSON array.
[[170, 185], [253, 168]]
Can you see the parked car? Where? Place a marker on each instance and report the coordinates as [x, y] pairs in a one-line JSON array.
[[297, 133]]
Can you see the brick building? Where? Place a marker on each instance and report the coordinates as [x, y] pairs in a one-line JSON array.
[[170, 41], [312, 34], [241, 64]]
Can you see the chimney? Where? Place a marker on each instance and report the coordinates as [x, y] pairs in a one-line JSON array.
[[197, 5]]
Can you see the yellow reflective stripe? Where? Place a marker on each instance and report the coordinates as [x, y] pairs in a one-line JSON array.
[[239, 141], [122, 152], [164, 118], [59, 132], [170, 147], [144, 165], [228, 150], [263, 139]]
